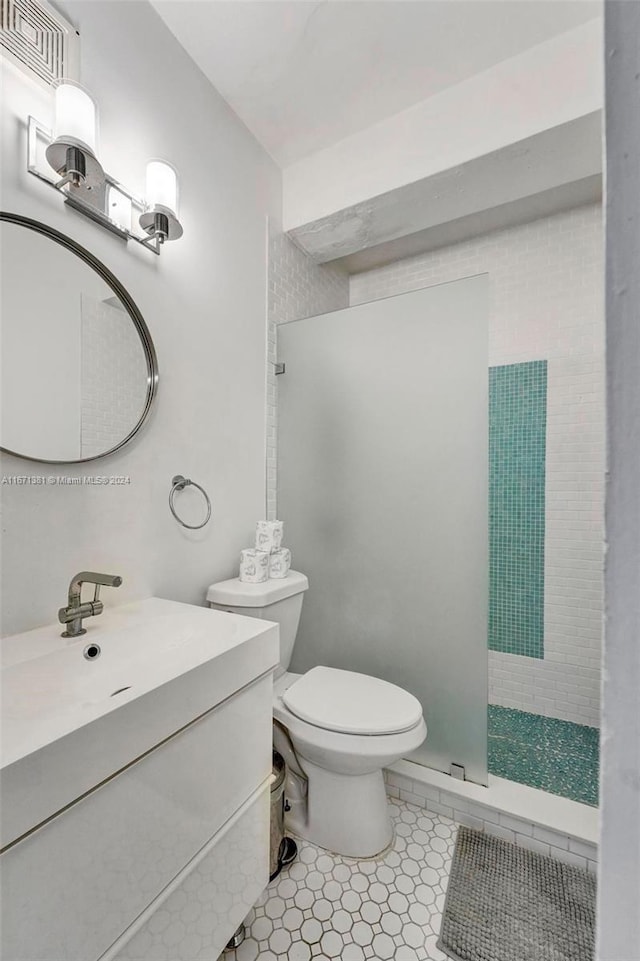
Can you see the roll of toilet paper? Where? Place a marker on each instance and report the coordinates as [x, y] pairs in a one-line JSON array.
[[268, 536], [254, 566], [279, 562]]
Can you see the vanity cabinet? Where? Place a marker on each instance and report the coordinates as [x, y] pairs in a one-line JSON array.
[[164, 859]]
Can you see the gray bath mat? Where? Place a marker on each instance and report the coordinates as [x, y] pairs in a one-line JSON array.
[[507, 904]]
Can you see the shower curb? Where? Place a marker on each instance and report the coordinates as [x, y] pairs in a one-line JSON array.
[[533, 819]]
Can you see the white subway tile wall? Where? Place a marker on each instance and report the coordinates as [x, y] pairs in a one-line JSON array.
[[298, 288], [546, 303], [113, 385]]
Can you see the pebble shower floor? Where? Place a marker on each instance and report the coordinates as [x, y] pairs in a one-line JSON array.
[[544, 752], [325, 906]]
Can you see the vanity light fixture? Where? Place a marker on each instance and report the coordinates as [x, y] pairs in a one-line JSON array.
[[161, 219], [71, 150]]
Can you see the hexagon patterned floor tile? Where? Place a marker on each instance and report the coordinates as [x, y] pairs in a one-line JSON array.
[[324, 906]]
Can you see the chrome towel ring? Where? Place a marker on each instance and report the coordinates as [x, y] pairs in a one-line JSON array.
[[179, 483]]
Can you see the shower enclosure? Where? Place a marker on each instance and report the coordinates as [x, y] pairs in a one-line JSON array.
[[382, 486], [536, 747]]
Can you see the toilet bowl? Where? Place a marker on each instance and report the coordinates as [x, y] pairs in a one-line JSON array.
[[346, 808], [336, 729]]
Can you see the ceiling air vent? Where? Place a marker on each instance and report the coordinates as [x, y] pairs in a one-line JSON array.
[[39, 40]]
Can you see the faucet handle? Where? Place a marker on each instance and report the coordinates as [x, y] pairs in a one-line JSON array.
[[96, 593]]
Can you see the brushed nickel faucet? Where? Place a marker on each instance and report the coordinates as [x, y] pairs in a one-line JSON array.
[[73, 614]]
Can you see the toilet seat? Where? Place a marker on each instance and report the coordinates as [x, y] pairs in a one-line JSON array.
[[345, 753], [351, 703]]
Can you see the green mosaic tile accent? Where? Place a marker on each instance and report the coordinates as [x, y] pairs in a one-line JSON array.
[[543, 752], [517, 429]]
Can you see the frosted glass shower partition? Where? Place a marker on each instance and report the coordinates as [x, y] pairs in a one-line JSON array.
[[382, 486]]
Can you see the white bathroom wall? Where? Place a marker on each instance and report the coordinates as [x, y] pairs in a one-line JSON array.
[[546, 302], [298, 288], [619, 879], [204, 302]]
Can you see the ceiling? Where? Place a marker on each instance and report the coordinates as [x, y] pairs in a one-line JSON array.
[[304, 74]]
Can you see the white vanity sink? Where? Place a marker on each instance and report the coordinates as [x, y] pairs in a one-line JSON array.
[[156, 747]]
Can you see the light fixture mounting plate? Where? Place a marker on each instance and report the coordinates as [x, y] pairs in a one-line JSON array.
[[96, 202]]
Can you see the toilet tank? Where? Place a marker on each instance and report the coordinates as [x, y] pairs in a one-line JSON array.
[[278, 599]]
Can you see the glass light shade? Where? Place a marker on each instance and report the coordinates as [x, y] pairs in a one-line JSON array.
[[75, 115], [162, 186]]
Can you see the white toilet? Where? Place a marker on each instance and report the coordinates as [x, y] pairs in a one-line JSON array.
[[336, 729]]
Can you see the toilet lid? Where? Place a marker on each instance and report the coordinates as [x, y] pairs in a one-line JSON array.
[[352, 703]]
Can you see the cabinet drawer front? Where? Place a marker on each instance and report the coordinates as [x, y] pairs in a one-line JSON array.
[[197, 919]]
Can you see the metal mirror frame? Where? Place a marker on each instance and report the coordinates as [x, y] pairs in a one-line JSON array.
[[138, 321]]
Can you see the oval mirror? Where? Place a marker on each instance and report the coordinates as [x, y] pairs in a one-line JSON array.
[[78, 367]]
